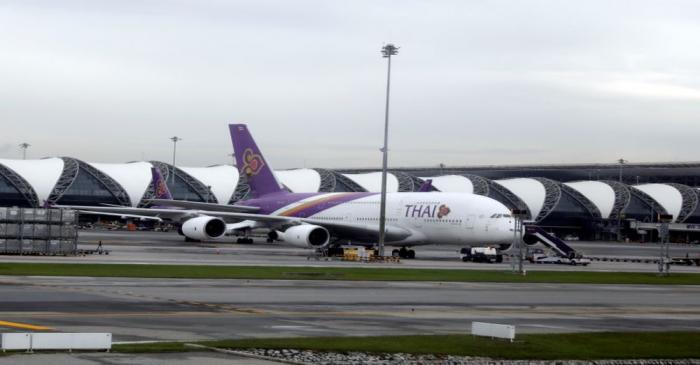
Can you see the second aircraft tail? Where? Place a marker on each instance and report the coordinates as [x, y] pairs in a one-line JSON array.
[[160, 189]]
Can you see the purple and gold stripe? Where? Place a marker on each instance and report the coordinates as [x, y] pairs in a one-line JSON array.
[[312, 207]]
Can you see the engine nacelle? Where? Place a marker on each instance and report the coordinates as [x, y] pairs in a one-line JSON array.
[[204, 228], [306, 235]]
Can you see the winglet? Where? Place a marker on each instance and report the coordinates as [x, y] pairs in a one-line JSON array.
[[251, 163], [160, 189]]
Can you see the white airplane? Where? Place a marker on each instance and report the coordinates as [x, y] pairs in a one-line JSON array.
[[327, 220], [321, 220]]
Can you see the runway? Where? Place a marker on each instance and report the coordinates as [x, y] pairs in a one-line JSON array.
[[177, 309], [182, 309]]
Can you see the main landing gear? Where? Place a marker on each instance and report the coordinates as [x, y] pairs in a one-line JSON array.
[[403, 253], [244, 240], [272, 236]]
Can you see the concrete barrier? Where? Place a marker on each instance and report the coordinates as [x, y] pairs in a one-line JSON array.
[[493, 330], [56, 341], [15, 341]]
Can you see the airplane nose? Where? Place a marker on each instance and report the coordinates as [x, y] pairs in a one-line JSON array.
[[507, 226]]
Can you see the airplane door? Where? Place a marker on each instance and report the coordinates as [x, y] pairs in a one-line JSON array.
[[399, 209]]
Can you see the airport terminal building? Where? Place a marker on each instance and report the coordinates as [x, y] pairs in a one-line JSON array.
[[587, 201]]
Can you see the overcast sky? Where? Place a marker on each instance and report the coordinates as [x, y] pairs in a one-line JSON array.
[[475, 82]]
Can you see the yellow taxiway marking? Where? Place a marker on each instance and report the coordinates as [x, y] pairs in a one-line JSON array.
[[24, 326]]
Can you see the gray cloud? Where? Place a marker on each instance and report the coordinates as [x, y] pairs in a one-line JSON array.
[[5, 148], [536, 81]]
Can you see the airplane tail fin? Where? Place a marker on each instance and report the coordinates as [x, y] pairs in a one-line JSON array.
[[251, 163], [426, 186], [159, 187]]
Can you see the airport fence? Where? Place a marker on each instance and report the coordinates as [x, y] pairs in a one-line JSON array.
[[38, 231]]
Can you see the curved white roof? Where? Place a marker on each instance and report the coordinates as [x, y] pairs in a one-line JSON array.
[[530, 191], [42, 174], [668, 196], [372, 181], [134, 177], [599, 193], [300, 180], [452, 183], [221, 178]]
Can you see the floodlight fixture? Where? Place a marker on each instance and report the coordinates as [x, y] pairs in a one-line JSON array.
[[175, 139]]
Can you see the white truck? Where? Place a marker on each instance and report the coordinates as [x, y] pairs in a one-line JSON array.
[[541, 258], [481, 254]]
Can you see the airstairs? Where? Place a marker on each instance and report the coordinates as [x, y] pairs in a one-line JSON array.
[[553, 242]]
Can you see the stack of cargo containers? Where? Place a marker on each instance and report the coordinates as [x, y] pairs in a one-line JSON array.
[[38, 231]]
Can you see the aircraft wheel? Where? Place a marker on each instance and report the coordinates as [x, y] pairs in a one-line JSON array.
[[394, 253], [403, 253], [411, 254]]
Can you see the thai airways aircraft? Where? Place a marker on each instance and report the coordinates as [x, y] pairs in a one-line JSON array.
[[324, 220], [319, 220]]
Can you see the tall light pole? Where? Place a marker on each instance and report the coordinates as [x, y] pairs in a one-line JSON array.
[[518, 217], [24, 147], [175, 139], [621, 161], [387, 51], [664, 259]]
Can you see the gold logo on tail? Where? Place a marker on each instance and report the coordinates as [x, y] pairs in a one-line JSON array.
[[252, 162]]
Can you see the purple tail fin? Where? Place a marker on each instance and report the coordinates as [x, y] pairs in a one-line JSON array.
[[251, 162], [160, 189], [426, 186]]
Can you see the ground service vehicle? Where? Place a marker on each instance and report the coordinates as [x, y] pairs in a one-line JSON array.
[[481, 254], [541, 258]]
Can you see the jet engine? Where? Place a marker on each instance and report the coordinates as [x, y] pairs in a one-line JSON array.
[[306, 235], [204, 228]]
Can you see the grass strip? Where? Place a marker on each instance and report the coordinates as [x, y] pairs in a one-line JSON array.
[[570, 346], [336, 273]]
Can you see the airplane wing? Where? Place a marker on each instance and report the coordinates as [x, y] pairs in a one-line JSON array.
[[204, 206], [352, 231], [140, 213], [155, 218]]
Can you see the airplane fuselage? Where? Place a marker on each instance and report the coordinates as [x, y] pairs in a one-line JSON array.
[[432, 217]]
